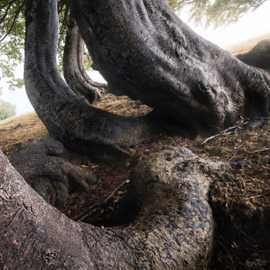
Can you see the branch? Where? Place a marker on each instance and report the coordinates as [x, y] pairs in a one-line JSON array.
[[17, 13]]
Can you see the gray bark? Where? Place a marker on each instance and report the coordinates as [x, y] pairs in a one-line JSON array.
[[68, 117], [74, 72], [162, 62], [51, 169], [173, 228]]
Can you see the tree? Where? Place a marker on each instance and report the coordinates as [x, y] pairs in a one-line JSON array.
[[73, 67], [12, 43], [6, 110], [190, 84], [11, 39], [216, 12], [176, 67]]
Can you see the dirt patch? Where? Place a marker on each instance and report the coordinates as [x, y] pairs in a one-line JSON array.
[[102, 203]]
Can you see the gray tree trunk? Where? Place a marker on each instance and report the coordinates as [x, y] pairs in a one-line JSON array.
[[68, 117], [74, 72], [162, 62]]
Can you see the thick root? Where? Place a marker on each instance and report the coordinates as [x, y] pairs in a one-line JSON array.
[[44, 165], [172, 229]]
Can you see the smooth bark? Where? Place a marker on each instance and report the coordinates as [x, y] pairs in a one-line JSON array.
[[68, 117], [162, 62], [74, 72]]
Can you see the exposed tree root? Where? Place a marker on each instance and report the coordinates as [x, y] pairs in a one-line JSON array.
[[240, 200], [67, 117], [172, 228], [186, 79], [44, 165]]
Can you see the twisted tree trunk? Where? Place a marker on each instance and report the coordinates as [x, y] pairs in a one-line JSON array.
[[162, 62], [74, 72], [173, 228], [68, 117]]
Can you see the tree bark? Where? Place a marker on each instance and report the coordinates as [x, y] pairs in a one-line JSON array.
[[173, 228], [74, 72], [68, 117], [162, 62], [50, 169]]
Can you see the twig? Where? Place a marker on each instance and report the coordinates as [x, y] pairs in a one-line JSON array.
[[259, 151], [17, 14], [224, 132], [91, 209]]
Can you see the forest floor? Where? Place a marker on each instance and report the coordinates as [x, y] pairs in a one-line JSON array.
[[240, 203]]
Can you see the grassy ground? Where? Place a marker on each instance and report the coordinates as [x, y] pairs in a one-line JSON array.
[[17, 130]]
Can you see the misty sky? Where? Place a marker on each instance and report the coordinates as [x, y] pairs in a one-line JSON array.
[[249, 26]]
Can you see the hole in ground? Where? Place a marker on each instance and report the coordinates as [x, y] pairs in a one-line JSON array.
[[109, 202], [119, 208]]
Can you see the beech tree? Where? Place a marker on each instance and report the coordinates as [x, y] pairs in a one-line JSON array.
[[146, 52]]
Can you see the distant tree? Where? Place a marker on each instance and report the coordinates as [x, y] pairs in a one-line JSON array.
[[6, 110]]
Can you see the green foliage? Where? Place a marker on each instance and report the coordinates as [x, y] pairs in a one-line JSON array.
[[11, 40], [6, 110], [12, 32], [217, 12]]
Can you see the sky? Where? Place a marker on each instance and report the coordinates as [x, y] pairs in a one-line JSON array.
[[251, 25]]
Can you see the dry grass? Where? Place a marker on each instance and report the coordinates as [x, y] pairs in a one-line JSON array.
[[247, 151], [122, 105], [17, 130]]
